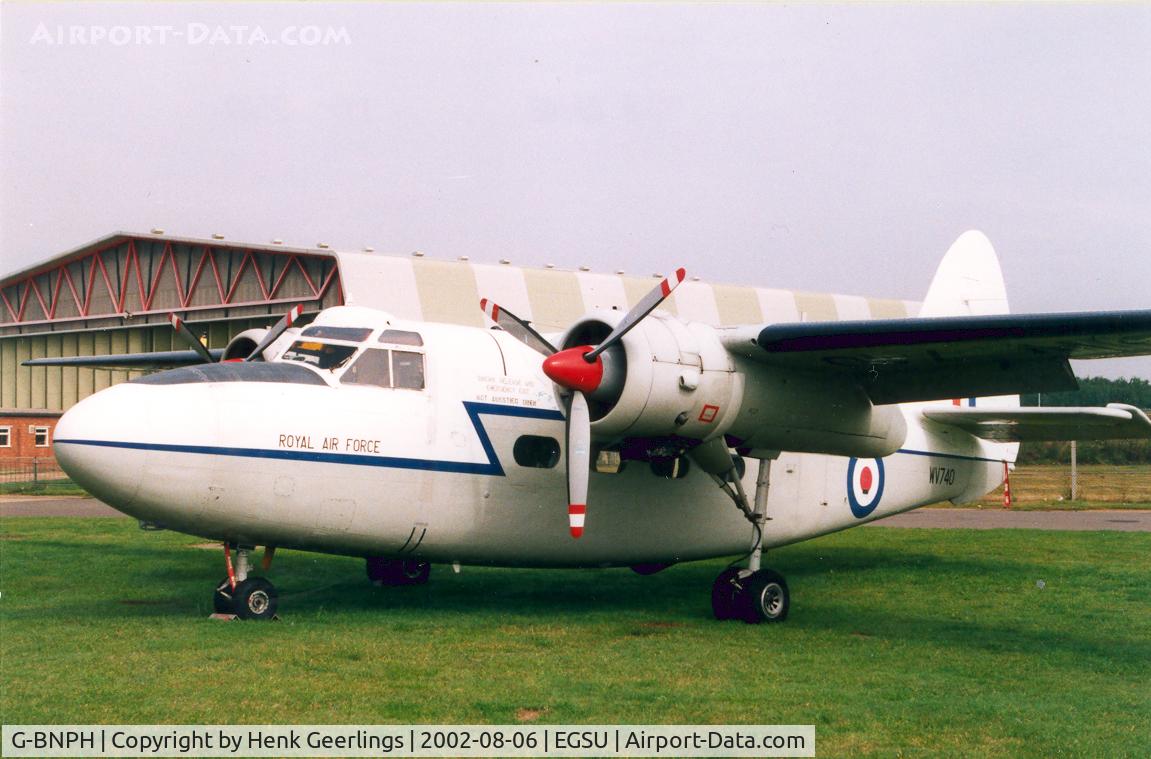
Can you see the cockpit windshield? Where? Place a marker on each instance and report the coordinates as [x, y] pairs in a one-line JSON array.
[[319, 355], [351, 334]]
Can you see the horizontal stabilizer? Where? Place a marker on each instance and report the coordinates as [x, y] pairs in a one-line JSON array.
[[1013, 425], [122, 361]]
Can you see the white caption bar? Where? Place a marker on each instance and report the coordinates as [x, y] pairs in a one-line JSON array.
[[408, 740]]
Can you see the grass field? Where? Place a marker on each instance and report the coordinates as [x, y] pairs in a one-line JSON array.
[[1100, 487], [900, 642], [49, 488]]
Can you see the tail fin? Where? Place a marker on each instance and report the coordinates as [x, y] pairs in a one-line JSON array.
[[968, 281]]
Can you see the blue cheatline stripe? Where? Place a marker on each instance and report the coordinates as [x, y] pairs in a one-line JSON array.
[[475, 410], [936, 455]]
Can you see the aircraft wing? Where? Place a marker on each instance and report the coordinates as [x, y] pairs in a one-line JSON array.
[[921, 359], [1014, 425], [121, 361]]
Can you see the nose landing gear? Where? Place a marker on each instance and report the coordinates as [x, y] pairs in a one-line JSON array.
[[239, 596]]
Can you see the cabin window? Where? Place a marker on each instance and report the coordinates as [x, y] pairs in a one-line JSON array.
[[401, 337], [319, 355], [43, 439], [372, 368], [5, 437], [351, 334], [536, 451], [408, 370]]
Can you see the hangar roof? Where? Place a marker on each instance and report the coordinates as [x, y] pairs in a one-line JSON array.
[[129, 279]]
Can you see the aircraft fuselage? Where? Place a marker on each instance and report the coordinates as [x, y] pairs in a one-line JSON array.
[[467, 467]]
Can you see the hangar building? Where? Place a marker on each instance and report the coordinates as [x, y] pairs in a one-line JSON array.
[[114, 295]]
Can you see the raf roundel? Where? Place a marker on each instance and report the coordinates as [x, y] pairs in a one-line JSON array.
[[865, 483]]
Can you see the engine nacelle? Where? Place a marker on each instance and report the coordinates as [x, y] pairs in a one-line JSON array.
[[812, 412], [671, 378], [242, 345], [664, 378]]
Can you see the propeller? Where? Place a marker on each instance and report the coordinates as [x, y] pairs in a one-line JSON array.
[[584, 372], [189, 337], [274, 333], [516, 327]]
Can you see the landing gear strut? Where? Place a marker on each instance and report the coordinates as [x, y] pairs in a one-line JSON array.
[[753, 594], [243, 596]]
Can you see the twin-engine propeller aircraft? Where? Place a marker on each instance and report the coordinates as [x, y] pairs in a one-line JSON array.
[[411, 442]]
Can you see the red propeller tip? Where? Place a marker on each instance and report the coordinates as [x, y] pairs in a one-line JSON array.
[[570, 369], [577, 513]]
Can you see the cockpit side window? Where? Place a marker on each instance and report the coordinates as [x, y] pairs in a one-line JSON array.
[[387, 368], [408, 369], [401, 337], [319, 355], [372, 368]]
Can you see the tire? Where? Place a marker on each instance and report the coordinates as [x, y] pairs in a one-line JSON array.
[[393, 572], [255, 598], [377, 570], [412, 572], [765, 597], [725, 594], [222, 598]]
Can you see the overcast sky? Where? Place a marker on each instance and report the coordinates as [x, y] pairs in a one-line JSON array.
[[834, 148]]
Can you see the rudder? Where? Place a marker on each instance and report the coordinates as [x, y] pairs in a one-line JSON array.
[[968, 281]]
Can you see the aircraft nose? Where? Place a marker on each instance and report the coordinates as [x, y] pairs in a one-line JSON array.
[[94, 445]]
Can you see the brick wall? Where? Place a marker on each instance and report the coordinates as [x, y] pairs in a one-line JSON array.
[[27, 434]]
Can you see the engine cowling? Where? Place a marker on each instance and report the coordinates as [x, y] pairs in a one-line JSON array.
[[664, 378], [242, 345]]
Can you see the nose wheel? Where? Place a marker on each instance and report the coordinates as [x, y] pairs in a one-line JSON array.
[[239, 596]]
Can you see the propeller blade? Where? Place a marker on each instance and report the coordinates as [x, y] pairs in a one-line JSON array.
[[578, 461], [274, 333], [516, 327], [646, 305], [190, 338]]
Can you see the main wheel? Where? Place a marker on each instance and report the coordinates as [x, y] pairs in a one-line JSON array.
[[383, 571], [412, 572], [255, 598], [765, 597], [725, 592]]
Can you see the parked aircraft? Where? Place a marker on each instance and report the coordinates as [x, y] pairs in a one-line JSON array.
[[623, 441]]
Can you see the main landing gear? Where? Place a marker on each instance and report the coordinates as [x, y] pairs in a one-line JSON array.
[[393, 572], [241, 596], [753, 594]]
